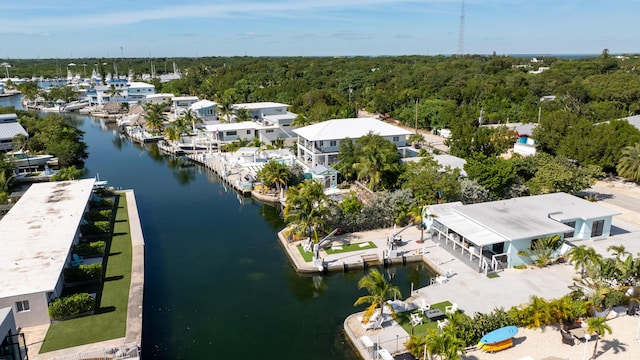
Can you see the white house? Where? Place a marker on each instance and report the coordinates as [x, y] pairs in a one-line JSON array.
[[445, 161], [36, 236], [318, 144], [205, 110], [9, 128], [492, 234], [182, 103], [525, 144], [121, 91], [160, 98]]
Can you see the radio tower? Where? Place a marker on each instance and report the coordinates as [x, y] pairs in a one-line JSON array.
[[461, 35]]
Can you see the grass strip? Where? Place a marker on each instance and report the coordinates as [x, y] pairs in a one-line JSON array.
[[110, 320]]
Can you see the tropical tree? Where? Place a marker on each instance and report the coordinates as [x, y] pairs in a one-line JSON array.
[[155, 117], [629, 163], [225, 108], [618, 251], [191, 119], [582, 256], [542, 249], [275, 173], [445, 344], [536, 314], [113, 91], [597, 325], [306, 208], [377, 161], [243, 114], [380, 290]]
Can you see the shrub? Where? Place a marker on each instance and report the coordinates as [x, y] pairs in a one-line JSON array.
[[83, 272], [101, 215], [92, 248], [104, 192], [71, 305], [614, 298], [97, 227], [102, 203]]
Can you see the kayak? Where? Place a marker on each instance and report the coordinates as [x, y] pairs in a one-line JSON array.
[[498, 335]]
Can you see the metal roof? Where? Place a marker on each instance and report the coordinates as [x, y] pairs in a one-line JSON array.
[[37, 233], [8, 130], [352, 128], [259, 105]]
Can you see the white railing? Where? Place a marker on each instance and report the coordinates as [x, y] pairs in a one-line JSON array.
[[124, 351]]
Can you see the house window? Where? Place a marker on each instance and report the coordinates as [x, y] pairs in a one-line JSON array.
[[248, 132], [333, 143], [231, 133], [22, 306], [533, 244], [321, 143], [269, 130], [396, 138], [596, 229], [569, 234]]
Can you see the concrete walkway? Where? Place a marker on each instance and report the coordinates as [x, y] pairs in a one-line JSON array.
[[34, 336]]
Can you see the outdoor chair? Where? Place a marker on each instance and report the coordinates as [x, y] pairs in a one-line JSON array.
[[424, 306], [416, 319], [451, 309], [375, 324], [442, 323], [76, 260]]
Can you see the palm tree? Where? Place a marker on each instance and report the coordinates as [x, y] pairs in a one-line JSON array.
[[275, 173], [306, 208], [380, 290], [582, 256], [225, 106], [172, 133], [537, 314], [618, 251], [155, 117], [629, 163], [243, 114], [599, 326], [445, 344], [113, 92]]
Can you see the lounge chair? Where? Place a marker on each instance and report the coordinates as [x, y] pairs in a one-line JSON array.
[[375, 324], [416, 319], [442, 323], [451, 309], [424, 306]]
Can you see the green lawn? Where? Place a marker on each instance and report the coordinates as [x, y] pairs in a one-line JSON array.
[[110, 319], [403, 318], [308, 256]]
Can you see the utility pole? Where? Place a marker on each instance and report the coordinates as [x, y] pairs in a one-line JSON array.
[[461, 34], [416, 116]]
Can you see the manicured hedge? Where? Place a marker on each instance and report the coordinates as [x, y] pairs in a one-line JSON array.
[[88, 249], [102, 203], [101, 215], [71, 305], [83, 273], [97, 227]]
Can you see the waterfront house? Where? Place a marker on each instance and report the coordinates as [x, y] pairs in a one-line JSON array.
[[205, 110], [245, 130], [121, 91], [490, 235], [182, 103], [318, 144], [9, 128], [161, 98], [36, 237]]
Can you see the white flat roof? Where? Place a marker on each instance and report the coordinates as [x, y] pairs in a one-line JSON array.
[[203, 104], [184, 98], [518, 218], [259, 105], [161, 95], [37, 233], [352, 128], [287, 116], [140, 84], [243, 125]]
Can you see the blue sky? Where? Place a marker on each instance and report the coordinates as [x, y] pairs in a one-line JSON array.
[[161, 28]]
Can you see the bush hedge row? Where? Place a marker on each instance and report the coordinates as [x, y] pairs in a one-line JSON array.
[[88, 249], [83, 273], [97, 227], [71, 305], [101, 215]]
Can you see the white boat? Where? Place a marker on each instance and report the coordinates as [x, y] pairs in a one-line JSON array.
[[75, 105], [22, 158]]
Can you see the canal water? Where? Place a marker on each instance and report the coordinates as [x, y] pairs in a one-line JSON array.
[[217, 283]]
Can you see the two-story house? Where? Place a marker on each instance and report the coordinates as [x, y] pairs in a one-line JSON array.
[[318, 144]]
